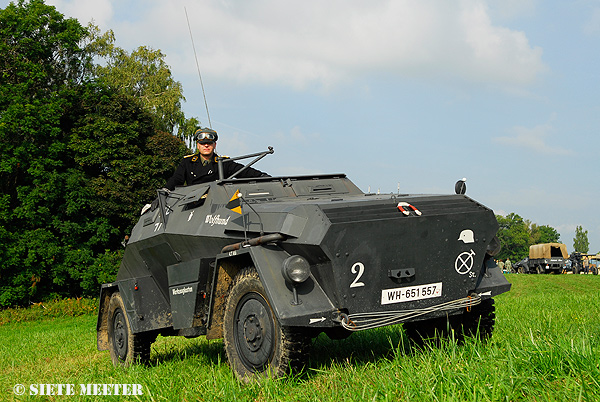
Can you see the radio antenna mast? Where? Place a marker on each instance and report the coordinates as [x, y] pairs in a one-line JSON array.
[[198, 67]]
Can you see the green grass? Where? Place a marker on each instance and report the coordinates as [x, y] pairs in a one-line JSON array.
[[545, 347]]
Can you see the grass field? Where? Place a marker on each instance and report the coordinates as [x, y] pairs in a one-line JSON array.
[[545, 347]]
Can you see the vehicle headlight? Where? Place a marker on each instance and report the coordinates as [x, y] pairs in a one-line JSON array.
[[295, 269], [494, 247]]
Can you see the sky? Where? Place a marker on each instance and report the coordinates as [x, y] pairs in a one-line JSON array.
[[407, 95]]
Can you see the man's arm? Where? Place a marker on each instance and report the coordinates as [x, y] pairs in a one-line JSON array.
[[178, 178]]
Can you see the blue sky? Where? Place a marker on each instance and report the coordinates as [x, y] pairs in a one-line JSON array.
[[408, 93]]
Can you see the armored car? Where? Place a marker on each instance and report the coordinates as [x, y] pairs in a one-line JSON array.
[[269, 263]]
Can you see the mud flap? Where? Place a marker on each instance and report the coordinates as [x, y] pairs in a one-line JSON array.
[[492, 282], [106, 290], [311, 309]]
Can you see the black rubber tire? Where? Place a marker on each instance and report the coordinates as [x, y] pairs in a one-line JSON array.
[[255, 344], [428, 331], [125, 347], [338, 333], [478, 322]]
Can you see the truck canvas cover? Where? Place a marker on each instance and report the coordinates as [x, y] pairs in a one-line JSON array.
[[548, 250]]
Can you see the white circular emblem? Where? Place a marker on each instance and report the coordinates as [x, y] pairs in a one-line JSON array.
[[464, 262]]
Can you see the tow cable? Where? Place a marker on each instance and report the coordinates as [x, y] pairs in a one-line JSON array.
[[363, 321]]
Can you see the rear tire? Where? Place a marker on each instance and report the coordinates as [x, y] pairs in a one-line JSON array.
[[429, 331], [125, 347], [476, 322], [480, 320], [256, 345]]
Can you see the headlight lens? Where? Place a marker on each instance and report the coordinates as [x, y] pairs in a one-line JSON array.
[[296, 269]]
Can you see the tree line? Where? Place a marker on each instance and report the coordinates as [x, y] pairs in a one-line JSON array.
[[88, 132], [517, 234]]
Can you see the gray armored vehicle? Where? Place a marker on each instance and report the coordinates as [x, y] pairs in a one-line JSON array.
[[269, 263]]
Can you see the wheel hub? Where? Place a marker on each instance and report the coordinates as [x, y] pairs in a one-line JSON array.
[[253, 333], [120, 334]]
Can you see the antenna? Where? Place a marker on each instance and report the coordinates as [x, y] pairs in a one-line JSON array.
[[198, 67]]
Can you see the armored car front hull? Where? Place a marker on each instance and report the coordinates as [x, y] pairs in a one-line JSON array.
[[269, 263]]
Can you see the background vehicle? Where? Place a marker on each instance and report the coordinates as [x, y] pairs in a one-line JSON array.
[[584, 263], [522, 266], [544, 258], [269, 263]]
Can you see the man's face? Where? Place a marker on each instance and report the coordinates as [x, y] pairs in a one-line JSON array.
[[207, 149]]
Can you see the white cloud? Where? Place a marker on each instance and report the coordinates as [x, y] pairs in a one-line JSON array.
[[100, 11], [534, 139], [323, 43], [512, 8]]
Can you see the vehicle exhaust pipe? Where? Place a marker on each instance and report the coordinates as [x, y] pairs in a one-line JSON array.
[[253, 242]]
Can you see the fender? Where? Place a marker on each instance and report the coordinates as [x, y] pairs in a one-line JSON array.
[[314, 308], [492, 282], [106, 290]]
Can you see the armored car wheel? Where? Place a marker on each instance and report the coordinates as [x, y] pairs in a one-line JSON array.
[[479, 320], [255, 343], [427, 331], [125, 346]]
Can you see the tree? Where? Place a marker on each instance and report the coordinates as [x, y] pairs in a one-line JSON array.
[[517, 234], [514, 237], [40, 61], [144, 75], [544, 234], [77, 161], [580, 241]]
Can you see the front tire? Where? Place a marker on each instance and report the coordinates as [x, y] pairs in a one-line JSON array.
[[256, 344], [125, 347]]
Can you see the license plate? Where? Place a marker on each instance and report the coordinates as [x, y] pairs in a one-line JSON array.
[[410, 293]]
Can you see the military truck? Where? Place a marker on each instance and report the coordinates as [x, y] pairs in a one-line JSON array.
[[544, 258], [269, 263]]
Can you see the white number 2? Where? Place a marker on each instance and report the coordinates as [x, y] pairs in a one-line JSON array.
[[358, 269]]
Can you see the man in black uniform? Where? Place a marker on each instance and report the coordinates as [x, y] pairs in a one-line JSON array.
[[202, 166]]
